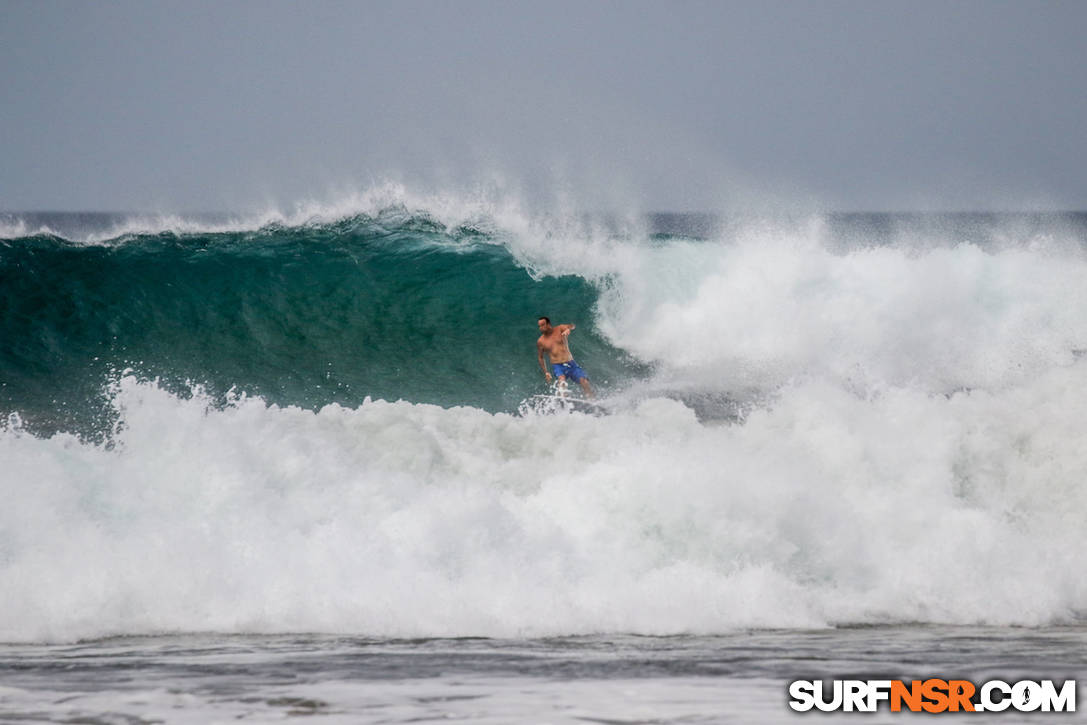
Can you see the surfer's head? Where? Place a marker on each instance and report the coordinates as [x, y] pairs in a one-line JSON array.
[[544, 323]]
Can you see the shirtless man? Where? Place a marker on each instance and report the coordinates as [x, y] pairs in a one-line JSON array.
[[553, 341]]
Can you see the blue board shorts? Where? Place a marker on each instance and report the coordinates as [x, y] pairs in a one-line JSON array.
[[570, 369]]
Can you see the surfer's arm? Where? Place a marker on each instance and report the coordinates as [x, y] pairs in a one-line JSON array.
[[567, 329], [543, 366]]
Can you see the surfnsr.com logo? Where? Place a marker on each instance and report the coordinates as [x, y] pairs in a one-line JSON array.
[[932, 695]]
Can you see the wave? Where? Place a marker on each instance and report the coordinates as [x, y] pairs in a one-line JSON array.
[[310, 423], [392, 306]]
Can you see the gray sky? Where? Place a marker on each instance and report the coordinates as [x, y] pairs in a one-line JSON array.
[[656, 106]]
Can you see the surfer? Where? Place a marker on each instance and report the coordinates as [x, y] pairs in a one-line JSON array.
[[553, 341]]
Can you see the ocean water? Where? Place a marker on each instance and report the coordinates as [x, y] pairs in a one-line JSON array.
[[281, 465], [724, 678]]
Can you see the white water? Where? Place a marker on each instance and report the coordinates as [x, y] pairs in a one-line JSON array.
[[768, 308], [398, 520]]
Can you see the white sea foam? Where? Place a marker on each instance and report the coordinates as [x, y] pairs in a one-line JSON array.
[[396, 519], [766, 308]]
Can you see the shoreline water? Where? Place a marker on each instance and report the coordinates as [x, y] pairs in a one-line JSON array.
[[738, 677]]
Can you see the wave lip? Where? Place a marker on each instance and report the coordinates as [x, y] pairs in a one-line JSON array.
[[489, 210]]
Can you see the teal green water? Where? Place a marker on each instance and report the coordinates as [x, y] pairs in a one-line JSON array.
[[300, 316]]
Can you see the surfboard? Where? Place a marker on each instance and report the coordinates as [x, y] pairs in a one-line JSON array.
[[560, 404]]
